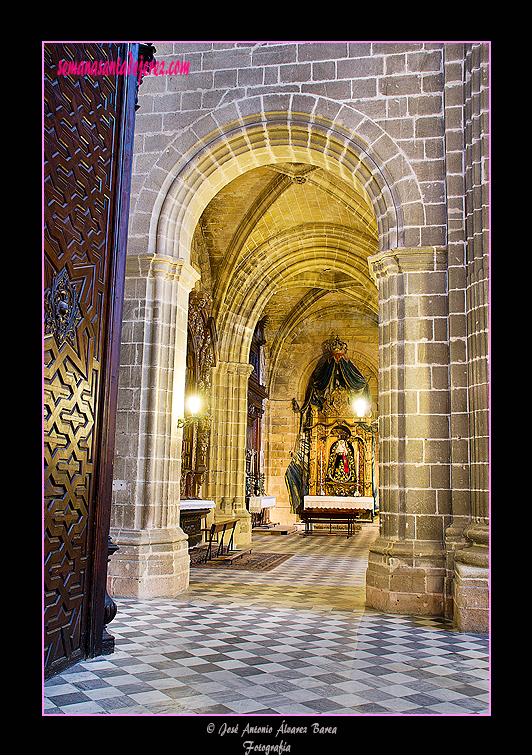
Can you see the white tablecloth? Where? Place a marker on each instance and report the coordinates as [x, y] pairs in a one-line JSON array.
[[338, 502], [259, 502], [192, 504]]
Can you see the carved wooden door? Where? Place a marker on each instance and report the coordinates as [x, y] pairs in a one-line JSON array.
[[88, 128]]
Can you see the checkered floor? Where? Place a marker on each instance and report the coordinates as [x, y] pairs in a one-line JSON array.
[[295, 641]]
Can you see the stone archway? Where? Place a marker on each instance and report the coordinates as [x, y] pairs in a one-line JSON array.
[[224, 145], [351, 146]]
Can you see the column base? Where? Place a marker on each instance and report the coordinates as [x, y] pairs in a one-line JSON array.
[[454, 540], [471, 582], [405, 577], [243, 535], [152, 563], [471, 599]]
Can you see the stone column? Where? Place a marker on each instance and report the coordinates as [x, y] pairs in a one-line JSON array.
[[471, 581], [467, 145], [152, 560], [406, 567], [226, 481]]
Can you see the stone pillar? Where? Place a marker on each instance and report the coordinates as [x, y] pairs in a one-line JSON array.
[[152, 560], [471, 564], [467, 147], [406, 567], [457, 272], [226, 482]]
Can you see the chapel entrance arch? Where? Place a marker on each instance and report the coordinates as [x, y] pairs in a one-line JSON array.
[[347, 164], [227, 144], [317, 260], [351, 147]]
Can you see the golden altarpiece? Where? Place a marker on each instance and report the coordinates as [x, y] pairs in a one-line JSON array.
[[342, 449], [335, 464]]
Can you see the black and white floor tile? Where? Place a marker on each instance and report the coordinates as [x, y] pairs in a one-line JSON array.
[[295, 641]]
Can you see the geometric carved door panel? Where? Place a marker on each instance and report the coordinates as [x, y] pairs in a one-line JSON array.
[[87, 128]]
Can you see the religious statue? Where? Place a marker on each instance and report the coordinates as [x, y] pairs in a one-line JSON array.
[[341, 467]]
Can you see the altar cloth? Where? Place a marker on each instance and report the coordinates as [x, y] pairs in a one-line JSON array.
[[259, 502], [193, 504], [338, 502]]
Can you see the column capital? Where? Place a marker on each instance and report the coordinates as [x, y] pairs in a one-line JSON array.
[[173, 269], [407, 259], [242, 369]]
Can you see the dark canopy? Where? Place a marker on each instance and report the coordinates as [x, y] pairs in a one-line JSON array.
[[296, 482], [331, 372]]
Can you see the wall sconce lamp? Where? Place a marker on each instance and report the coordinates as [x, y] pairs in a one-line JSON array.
[[193, 405], [361, 407]]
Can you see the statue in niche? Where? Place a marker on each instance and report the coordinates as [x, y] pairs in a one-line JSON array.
[[342, 465]]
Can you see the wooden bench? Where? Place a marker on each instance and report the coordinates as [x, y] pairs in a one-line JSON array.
[[236, 554], [215, 536], [330, 516]]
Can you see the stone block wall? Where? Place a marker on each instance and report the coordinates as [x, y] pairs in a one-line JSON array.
[[467, 157], [395, 88]]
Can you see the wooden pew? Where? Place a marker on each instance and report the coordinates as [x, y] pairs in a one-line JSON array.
[[215, 537], [330, 516]]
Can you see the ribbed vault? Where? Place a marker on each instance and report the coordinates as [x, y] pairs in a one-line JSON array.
[[279, 240], [275, 202]]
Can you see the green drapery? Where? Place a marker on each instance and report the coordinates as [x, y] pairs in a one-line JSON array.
[[297, 484], [330, 372]]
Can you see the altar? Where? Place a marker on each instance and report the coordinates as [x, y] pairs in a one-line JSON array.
[[192, 511], [364, 503], [334, 467], [342, 512], [259, 508]]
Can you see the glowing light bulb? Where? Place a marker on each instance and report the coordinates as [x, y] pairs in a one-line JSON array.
[[361, 407], [193, 403]]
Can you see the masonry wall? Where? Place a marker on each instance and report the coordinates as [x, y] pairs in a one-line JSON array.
[[467, 158], [398, 86]]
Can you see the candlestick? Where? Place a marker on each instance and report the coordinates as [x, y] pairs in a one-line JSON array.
[[357, 472]]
